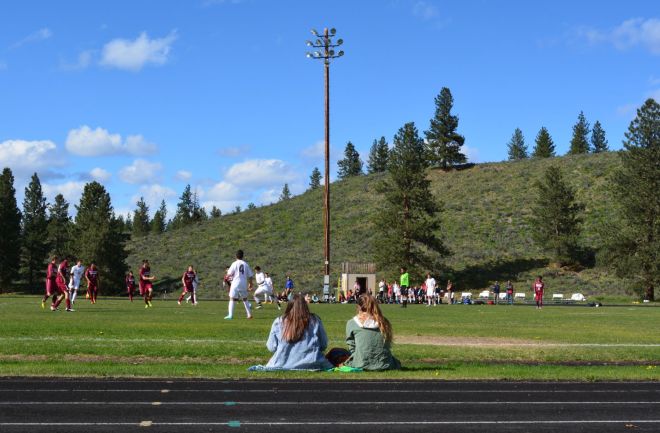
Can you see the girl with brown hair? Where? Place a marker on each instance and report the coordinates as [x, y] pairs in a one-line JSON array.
[[297, 339], [369, 338]]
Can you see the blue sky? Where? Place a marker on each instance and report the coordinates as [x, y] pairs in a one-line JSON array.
[[148, 96]]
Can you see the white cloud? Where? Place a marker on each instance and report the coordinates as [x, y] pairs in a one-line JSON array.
[[25, 157], [630, 33], [70, 190], [154, 194], [425, 10], [85, 141], [100, 174], [257, 173], [223, 192], [39, 35], [270, 196], [316, 150], [134, 55], [183, 175], [141, 172], [471, 153]]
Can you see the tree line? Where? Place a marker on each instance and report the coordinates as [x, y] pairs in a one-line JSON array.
[[42, 230]]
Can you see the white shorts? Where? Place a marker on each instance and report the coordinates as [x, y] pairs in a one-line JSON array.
[[262, 290], [238, 292], [430, 292], [74, 285]]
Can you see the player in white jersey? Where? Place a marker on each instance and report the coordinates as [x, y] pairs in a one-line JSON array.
[[430, 289], [77, 273], [271, 293], [241, 275], [262, 288]]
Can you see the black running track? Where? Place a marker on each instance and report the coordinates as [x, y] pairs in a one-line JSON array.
[[125, 405]]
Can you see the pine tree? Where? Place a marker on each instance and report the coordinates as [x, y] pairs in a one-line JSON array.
[[635, 243], [237, 210], [408, 226], [10, 230], [351, 165], [99, 237], [141, 223], [315, 179], [35, 230], [598, 139], [517, 146], [556, 217], [286, 193], [580, 140], [159, 222], [444, 143], [215, 212], [545, 147], [378, 156], [251, 206], [184, 209], [60, 227]]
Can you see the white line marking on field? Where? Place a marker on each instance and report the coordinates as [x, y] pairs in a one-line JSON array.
[[145, 423], [223, 341], [315, 403]]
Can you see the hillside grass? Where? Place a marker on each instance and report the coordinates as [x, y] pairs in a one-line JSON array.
[[485, 224], [118, 338]]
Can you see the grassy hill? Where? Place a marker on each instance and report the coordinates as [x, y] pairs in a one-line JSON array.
[[485, 225]]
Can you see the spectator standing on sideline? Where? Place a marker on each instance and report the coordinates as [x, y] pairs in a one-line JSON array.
[[509, 292], [450, 292], [405, 283], [430, 289], [496, 291], [538, 288]]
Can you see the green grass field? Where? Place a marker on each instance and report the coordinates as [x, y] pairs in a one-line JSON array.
[[117, 338]]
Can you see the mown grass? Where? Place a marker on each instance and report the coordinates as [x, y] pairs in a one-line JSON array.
[[117, 338], [485, 224]]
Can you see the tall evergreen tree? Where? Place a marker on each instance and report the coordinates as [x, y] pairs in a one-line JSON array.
[[10, 230], [35, 231], [408, 225], [60, 227], [184, 209], [99, 236], [443, 141], [517, 146], [141, 223], [598, 139], [544, 146], [635, 245], [286, 193], [251, 206], [159, 222], [198, 213], [315, 179], [378, 156], [351, 165], [580, 140], [556, 217], [215, 212]]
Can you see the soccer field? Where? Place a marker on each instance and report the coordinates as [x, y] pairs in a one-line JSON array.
[[119, 338]]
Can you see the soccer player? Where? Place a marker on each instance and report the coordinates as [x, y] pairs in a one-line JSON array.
[[538, 288], [60, 283], [92, 277], [404, 283], [188, 280], [262, 289], [75, 279], [146, 283], [51, 285], [241, 282], [269, 291], [430, 289], [130, 284]]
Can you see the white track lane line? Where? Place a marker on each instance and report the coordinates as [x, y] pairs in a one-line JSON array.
[[320, 403]]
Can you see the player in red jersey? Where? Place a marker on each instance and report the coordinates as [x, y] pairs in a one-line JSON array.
[[130, 284], [92, 277], [188, 280], [51, 285], [146, 283], [538, 288], [60, 283]]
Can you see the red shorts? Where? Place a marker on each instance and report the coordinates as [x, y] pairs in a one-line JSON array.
[[188, 289], [145, 287], [538, 296], [61, 286], [92, 286], [51, 287]]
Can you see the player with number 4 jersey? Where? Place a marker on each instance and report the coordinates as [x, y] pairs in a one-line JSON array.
[[241, 275]]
